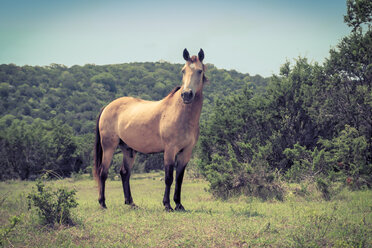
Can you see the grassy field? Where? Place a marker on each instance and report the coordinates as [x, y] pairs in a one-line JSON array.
[[346, 221]]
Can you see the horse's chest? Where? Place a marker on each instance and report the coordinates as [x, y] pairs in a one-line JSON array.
[[182, 134]]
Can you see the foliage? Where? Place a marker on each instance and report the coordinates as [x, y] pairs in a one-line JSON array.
[[348, 155], [76, 94], [30, 149], [358, 12], [260, 128], [324, 187], [147, 163], [312, 122], [227, 154], [6, 230], [52, 206], [306, 164], [344, 158], [228, 178]]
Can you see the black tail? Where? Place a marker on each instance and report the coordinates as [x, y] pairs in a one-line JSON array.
[[98, 152]]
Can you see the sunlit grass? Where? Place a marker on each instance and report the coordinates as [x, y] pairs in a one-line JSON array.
[[346, 221]]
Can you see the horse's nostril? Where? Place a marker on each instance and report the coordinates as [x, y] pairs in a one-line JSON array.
[[187, 95]]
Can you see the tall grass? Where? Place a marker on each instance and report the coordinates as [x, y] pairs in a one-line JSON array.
[[298, 221]]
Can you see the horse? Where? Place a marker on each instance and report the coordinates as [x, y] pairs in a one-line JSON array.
[[170, 125]]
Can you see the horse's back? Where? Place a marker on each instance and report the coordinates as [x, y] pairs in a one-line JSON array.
[[135, 122], [109, 116]]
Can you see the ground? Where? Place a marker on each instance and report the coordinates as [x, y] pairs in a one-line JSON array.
[[298, 221]]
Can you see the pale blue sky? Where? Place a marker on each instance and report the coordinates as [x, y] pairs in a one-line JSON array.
[[253, 37]]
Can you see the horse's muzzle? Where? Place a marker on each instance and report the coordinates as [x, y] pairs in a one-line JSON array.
[[187, 96]]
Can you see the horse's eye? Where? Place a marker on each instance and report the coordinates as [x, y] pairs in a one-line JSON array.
[[200, 71], [183, 71]]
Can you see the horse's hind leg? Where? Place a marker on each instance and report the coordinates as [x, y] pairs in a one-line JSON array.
[[125, 171], [108, 151]]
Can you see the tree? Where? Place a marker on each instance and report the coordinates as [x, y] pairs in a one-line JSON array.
[[358, 13], [61, 148], [30, 149], [349, 74], [310, 118], [106, 79]]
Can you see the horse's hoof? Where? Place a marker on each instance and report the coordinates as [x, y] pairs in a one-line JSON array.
[[168, 209], [102, 203], [133, 206], [180, 208]]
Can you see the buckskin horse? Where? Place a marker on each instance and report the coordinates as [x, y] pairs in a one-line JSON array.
[[170, 125]]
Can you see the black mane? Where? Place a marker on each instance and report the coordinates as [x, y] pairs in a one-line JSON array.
[[174, 91]]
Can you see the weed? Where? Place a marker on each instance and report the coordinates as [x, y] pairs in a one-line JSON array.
[[246, 212], [355, 235], [303, 191], [52, 206], [323, 187], [5, 231], [313, 231]]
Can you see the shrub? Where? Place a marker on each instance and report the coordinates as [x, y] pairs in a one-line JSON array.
[[348, 154], [228, 177], [52, 206], [306, 164], [343, 158]]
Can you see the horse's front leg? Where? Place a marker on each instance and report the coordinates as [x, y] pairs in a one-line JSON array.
[[182, 160], [180, 171], [168, 183], [169, 161]]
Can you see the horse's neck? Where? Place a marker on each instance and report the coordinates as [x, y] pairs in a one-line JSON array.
[[189, 113], [192, 111]]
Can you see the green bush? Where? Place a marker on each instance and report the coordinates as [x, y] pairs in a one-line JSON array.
[[343, 158], [228, 177], [348, 155], [30, 149], [306, 164], [52, 206]]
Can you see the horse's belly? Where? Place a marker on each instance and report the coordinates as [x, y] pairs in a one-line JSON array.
[[143, 146], [142, 139]]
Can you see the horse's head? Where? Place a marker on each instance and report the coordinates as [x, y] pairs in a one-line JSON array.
[[193, 76]]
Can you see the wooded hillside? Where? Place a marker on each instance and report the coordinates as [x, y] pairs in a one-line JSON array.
[[38, 102]]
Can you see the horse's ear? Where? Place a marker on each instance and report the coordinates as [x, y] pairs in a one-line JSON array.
[[205, 79], [186, 55], [201, 55]]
